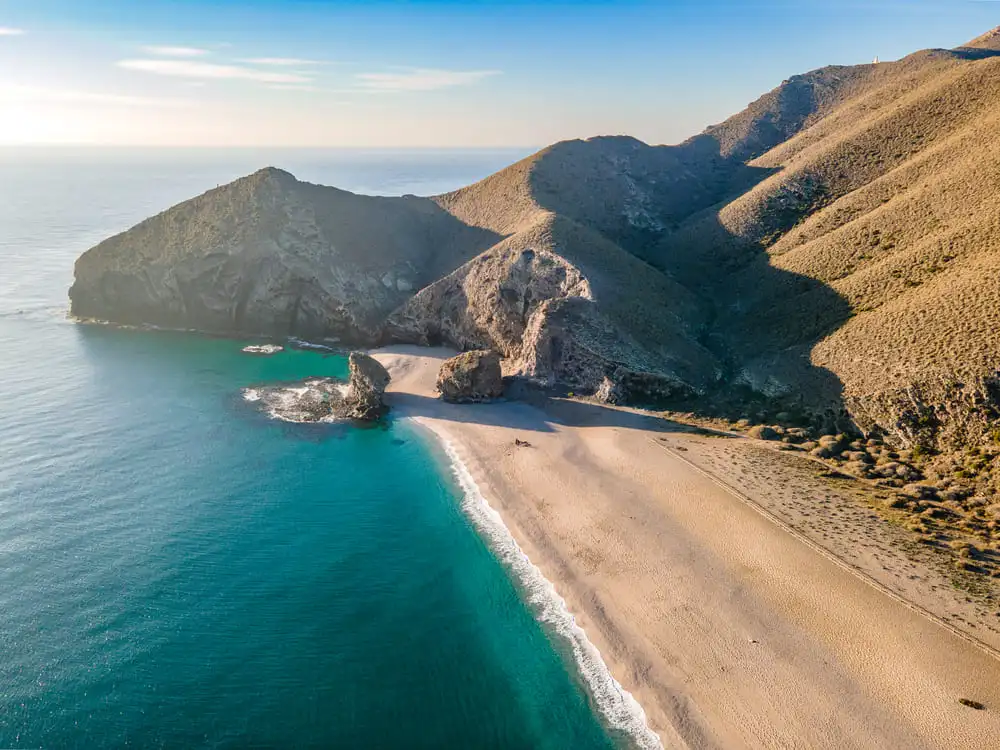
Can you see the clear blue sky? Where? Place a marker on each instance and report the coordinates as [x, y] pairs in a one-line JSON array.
[[329, 73]]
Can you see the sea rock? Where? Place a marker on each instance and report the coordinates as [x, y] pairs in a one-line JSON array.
[[306, 401], [365, 388], [471, 377], [327, 399]]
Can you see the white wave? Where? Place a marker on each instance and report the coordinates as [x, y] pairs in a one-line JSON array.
[[309, 401], [299, 343], [620, 710], [263, 349]]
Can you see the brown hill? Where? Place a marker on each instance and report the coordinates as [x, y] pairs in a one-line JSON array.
[[869, 249], [270, 254]]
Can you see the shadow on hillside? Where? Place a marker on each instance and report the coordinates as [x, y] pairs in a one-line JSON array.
[[762, 324], [537, 413], [972, 53], [760, 321], [631, 192]]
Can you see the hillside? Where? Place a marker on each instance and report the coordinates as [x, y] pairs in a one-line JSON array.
[[830, 252], [871, 249], [269, 254]]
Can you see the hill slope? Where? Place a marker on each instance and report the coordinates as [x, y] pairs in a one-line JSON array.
[[270, 254]]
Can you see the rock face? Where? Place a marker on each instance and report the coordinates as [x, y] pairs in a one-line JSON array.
[[271, 255], [471, 377], [365, 388]]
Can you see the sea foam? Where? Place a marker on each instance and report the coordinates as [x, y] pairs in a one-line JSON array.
[[619, 709], [305, 402]]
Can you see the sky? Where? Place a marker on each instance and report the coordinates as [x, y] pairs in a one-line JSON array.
[[336, 73]]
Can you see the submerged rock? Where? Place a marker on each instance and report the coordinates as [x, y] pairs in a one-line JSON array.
[[263, 349], [365, 388], [327, 399], [471, 377], [311, 400]]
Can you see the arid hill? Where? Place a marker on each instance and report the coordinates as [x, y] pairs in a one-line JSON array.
[[833, 251]]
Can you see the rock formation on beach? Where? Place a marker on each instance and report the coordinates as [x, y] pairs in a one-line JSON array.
[[471, 377], [831, 252], [365, 388]]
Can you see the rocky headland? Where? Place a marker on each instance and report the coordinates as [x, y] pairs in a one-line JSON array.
[[824, 261]]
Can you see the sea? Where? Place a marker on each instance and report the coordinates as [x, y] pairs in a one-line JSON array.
[[180, 569]]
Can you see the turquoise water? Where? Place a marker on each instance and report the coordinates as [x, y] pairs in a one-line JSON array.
[[179, 570]]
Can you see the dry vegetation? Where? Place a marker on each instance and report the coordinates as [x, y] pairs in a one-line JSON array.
[[839, 481]]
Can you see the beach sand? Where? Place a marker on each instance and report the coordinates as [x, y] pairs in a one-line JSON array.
[[742, 601]]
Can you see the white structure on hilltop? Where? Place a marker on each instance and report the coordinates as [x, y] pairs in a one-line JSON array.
[[876, 61]]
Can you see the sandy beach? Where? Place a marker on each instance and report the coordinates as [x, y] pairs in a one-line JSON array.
[[741, 604]]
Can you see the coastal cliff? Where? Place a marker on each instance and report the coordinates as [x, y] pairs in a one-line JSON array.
[[268, 254], [828, 254]]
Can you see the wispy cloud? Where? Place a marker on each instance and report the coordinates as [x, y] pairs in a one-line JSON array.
[[421, 79], [286, 62], [202, 70], [174, 51], [33, 93], [8, 31]]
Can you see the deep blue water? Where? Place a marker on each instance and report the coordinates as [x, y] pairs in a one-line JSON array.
[[178, 570]]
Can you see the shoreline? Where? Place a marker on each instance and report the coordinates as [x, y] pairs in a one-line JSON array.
[[617, 707], [728, 630]]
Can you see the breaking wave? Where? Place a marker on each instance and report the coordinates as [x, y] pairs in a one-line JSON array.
[[310, 401], [619, 709]]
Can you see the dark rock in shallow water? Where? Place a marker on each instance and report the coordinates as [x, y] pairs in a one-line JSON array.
[[365, 388], [471, 377], [328, 399], [311, 400]]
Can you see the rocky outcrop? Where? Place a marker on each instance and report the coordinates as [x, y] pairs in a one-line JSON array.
[[306, 401], [271, 255], [471, 377], [365, 388], [327, 399], [549, 300]]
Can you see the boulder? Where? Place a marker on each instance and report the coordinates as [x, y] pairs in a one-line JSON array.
[[471, 377], [366, 386]]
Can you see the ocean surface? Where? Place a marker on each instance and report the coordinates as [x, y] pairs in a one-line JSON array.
[[178, 569]]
